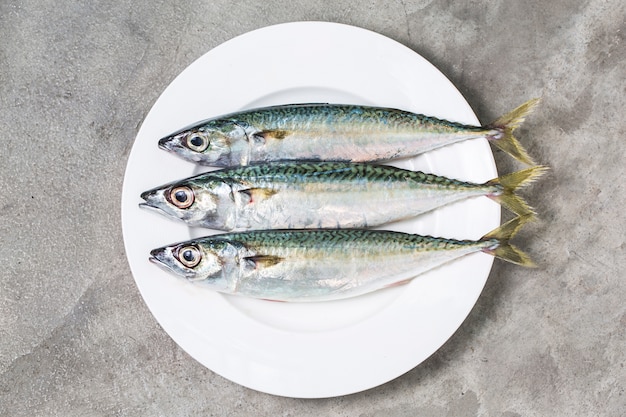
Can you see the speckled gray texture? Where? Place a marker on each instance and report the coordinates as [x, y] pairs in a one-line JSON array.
[[76, 81]]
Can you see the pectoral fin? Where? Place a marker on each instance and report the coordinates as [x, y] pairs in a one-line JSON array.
[[265, 135], [254, 195], [262, 261]]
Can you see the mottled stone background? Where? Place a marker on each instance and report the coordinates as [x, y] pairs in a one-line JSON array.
[[77, 80]]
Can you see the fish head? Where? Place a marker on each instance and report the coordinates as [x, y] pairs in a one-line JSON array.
[[197, 262], [210, 143], [197, 203]]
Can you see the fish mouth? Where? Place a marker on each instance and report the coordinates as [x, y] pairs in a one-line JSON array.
[[150, 207], [150, 201], [162, 265], [145, 195], [158, 257], [150, 196], [172, 142], [165, 143]]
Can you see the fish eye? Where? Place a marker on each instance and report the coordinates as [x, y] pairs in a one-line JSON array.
[[197, 142], [181, 197], [189, 256]]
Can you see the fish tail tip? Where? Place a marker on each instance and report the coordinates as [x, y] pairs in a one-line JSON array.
[[505, 141], [514, 203], [504, 249], [508, 230], [509, 184], [520, 178], [532, 173], [505, 126], [512, 254], [512, 182], [516, 117]]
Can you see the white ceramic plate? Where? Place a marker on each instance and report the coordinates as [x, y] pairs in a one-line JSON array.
[[303, 349]]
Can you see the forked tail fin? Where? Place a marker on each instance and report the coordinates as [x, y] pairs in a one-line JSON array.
[[503, 249], [510, 183], [506, 125]]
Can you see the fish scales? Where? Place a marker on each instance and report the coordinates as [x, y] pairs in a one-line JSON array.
[[332, 172], [337, 263], [312, 132], [346, 117]]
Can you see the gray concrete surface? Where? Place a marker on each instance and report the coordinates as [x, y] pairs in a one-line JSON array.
[[76, 81]]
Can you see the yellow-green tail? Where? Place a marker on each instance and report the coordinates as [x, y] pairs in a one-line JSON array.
[[503, 249], [510, 183], [506, 124]]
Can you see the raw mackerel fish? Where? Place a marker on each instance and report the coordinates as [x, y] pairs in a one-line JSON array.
[[320, 265], [332, 132], [291, 195]]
